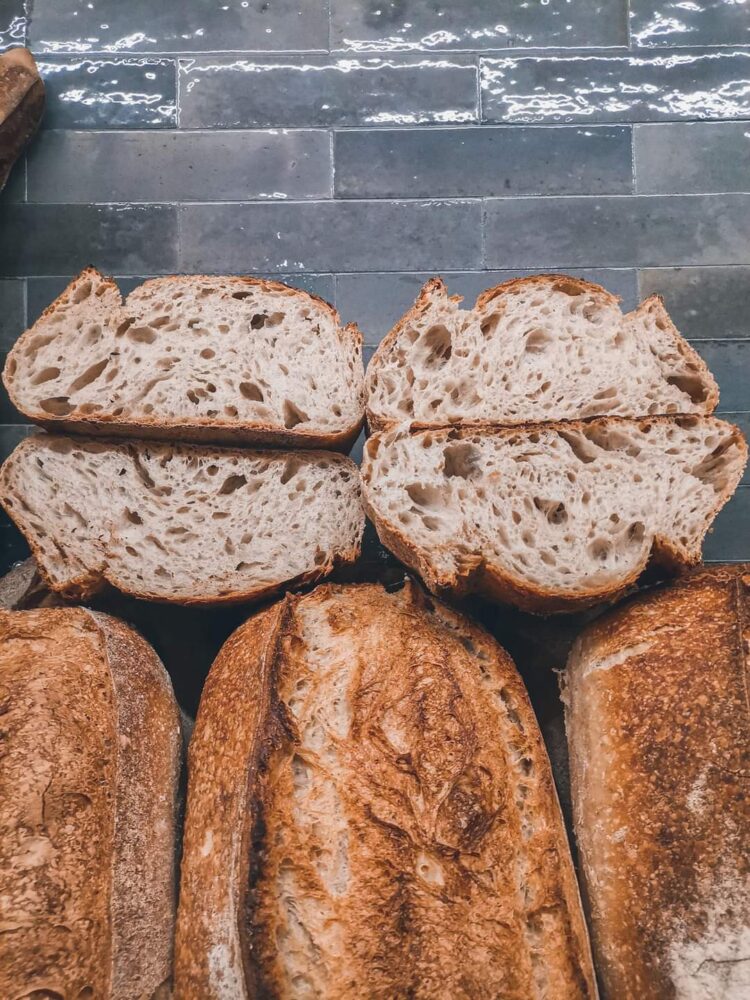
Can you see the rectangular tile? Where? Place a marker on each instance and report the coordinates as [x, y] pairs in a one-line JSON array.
[[194, 26], [636, 231], [741, 420], [12, 312], [482, 162], [600, 87], [12, 435], [670, 23], [376, 301], [15, 187], [109, 92], [729, 361], [475, 24], [692, 157], [13, 22], [729, 539], [330, 236], [317, 91], [157, 166], [704, 302], [56, 239]]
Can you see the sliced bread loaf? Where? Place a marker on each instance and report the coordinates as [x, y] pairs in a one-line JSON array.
[[545, 348], [184, 524], [193, 358], [554, 516]]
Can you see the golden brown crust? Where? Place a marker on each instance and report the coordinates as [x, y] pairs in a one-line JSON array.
[[381, 819], [658, 728]]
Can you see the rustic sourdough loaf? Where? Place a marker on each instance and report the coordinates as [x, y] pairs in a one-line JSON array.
[[88, 785], [371, 813], [544, 348], [193, 358], [181, 523], [659, 735], [554, 516]]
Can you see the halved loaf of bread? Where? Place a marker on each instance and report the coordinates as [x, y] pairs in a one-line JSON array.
[[181, 523], [371, 814], [545, 348], [193, 358], [554, 516]]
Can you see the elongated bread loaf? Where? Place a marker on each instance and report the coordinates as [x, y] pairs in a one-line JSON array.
[[192, 358], [371, 813], [183, 523], [555, 516], [544, 348], [659, 734], [88, 786]]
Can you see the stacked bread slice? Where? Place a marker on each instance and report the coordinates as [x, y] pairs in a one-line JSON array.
[[542, 447], [187, 359]]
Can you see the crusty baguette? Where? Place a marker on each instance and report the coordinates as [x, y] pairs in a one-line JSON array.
[[181, 523], [88, 785], [550, 517], [659, 735], [192, 358], [371, 813], [544, 348]]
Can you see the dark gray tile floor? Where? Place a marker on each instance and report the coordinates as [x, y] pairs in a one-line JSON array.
[[356, 147]]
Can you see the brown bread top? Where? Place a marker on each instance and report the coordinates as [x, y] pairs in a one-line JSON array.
[[659, 735], [87, 808], [371, 813]]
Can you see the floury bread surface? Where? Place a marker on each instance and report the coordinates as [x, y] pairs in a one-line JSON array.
[[371, 814]]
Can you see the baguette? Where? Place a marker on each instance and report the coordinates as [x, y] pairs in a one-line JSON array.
[[193, 358], [659, 735], [371, 813], [551, 517], [88, 785], [544, 348], [181, 523]]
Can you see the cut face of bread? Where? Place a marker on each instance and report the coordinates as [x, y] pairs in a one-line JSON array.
[[536, 349], [184, 524], [553, 516], [199, 358]]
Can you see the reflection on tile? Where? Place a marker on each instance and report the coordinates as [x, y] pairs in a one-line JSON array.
[[12, 311], [109, 92], [741, 420], [319, 91], [13, 22], [475, 24], [330, 236], [179, 166], [635, 231], [729, 361], [376, 301], [189, 26], [482, 161], [572, 87], [58, 239], [729, 539], [692, 157], [677, 22], [704, 302]]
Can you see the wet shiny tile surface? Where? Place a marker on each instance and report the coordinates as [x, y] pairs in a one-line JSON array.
[[109, 92], [482, 162], [725, 542], [704, 302], [644, 86], [692, 157], [13, 22], [319, 91], [666, 23]]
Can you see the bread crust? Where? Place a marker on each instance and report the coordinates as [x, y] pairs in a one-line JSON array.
[[479, 576], [658, 728], [87, 807], [469, 792]]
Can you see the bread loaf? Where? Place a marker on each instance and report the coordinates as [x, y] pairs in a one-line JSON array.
[[181, 523], [192, 358], [659, 735], [88, 786], [555, 516], [544, 348], [371, 813], [21, 106]]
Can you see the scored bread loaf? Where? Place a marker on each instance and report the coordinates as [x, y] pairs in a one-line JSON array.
[[544, 348], [181, 523], [194, 358], [88, 811], [658, 729], [371, 813], [554, 516]]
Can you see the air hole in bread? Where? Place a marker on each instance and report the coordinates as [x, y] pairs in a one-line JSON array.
[[437, 342], [58, 406], [207, 353], [293, 415], [425, 496], [258, 321], [90, 375], [291, 467], [45, 375], [232, 483], [692, 385], [250, 390], [82, 292], [460, 459], [241, 295], [537, 340], [142, 334], [554, 510]]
